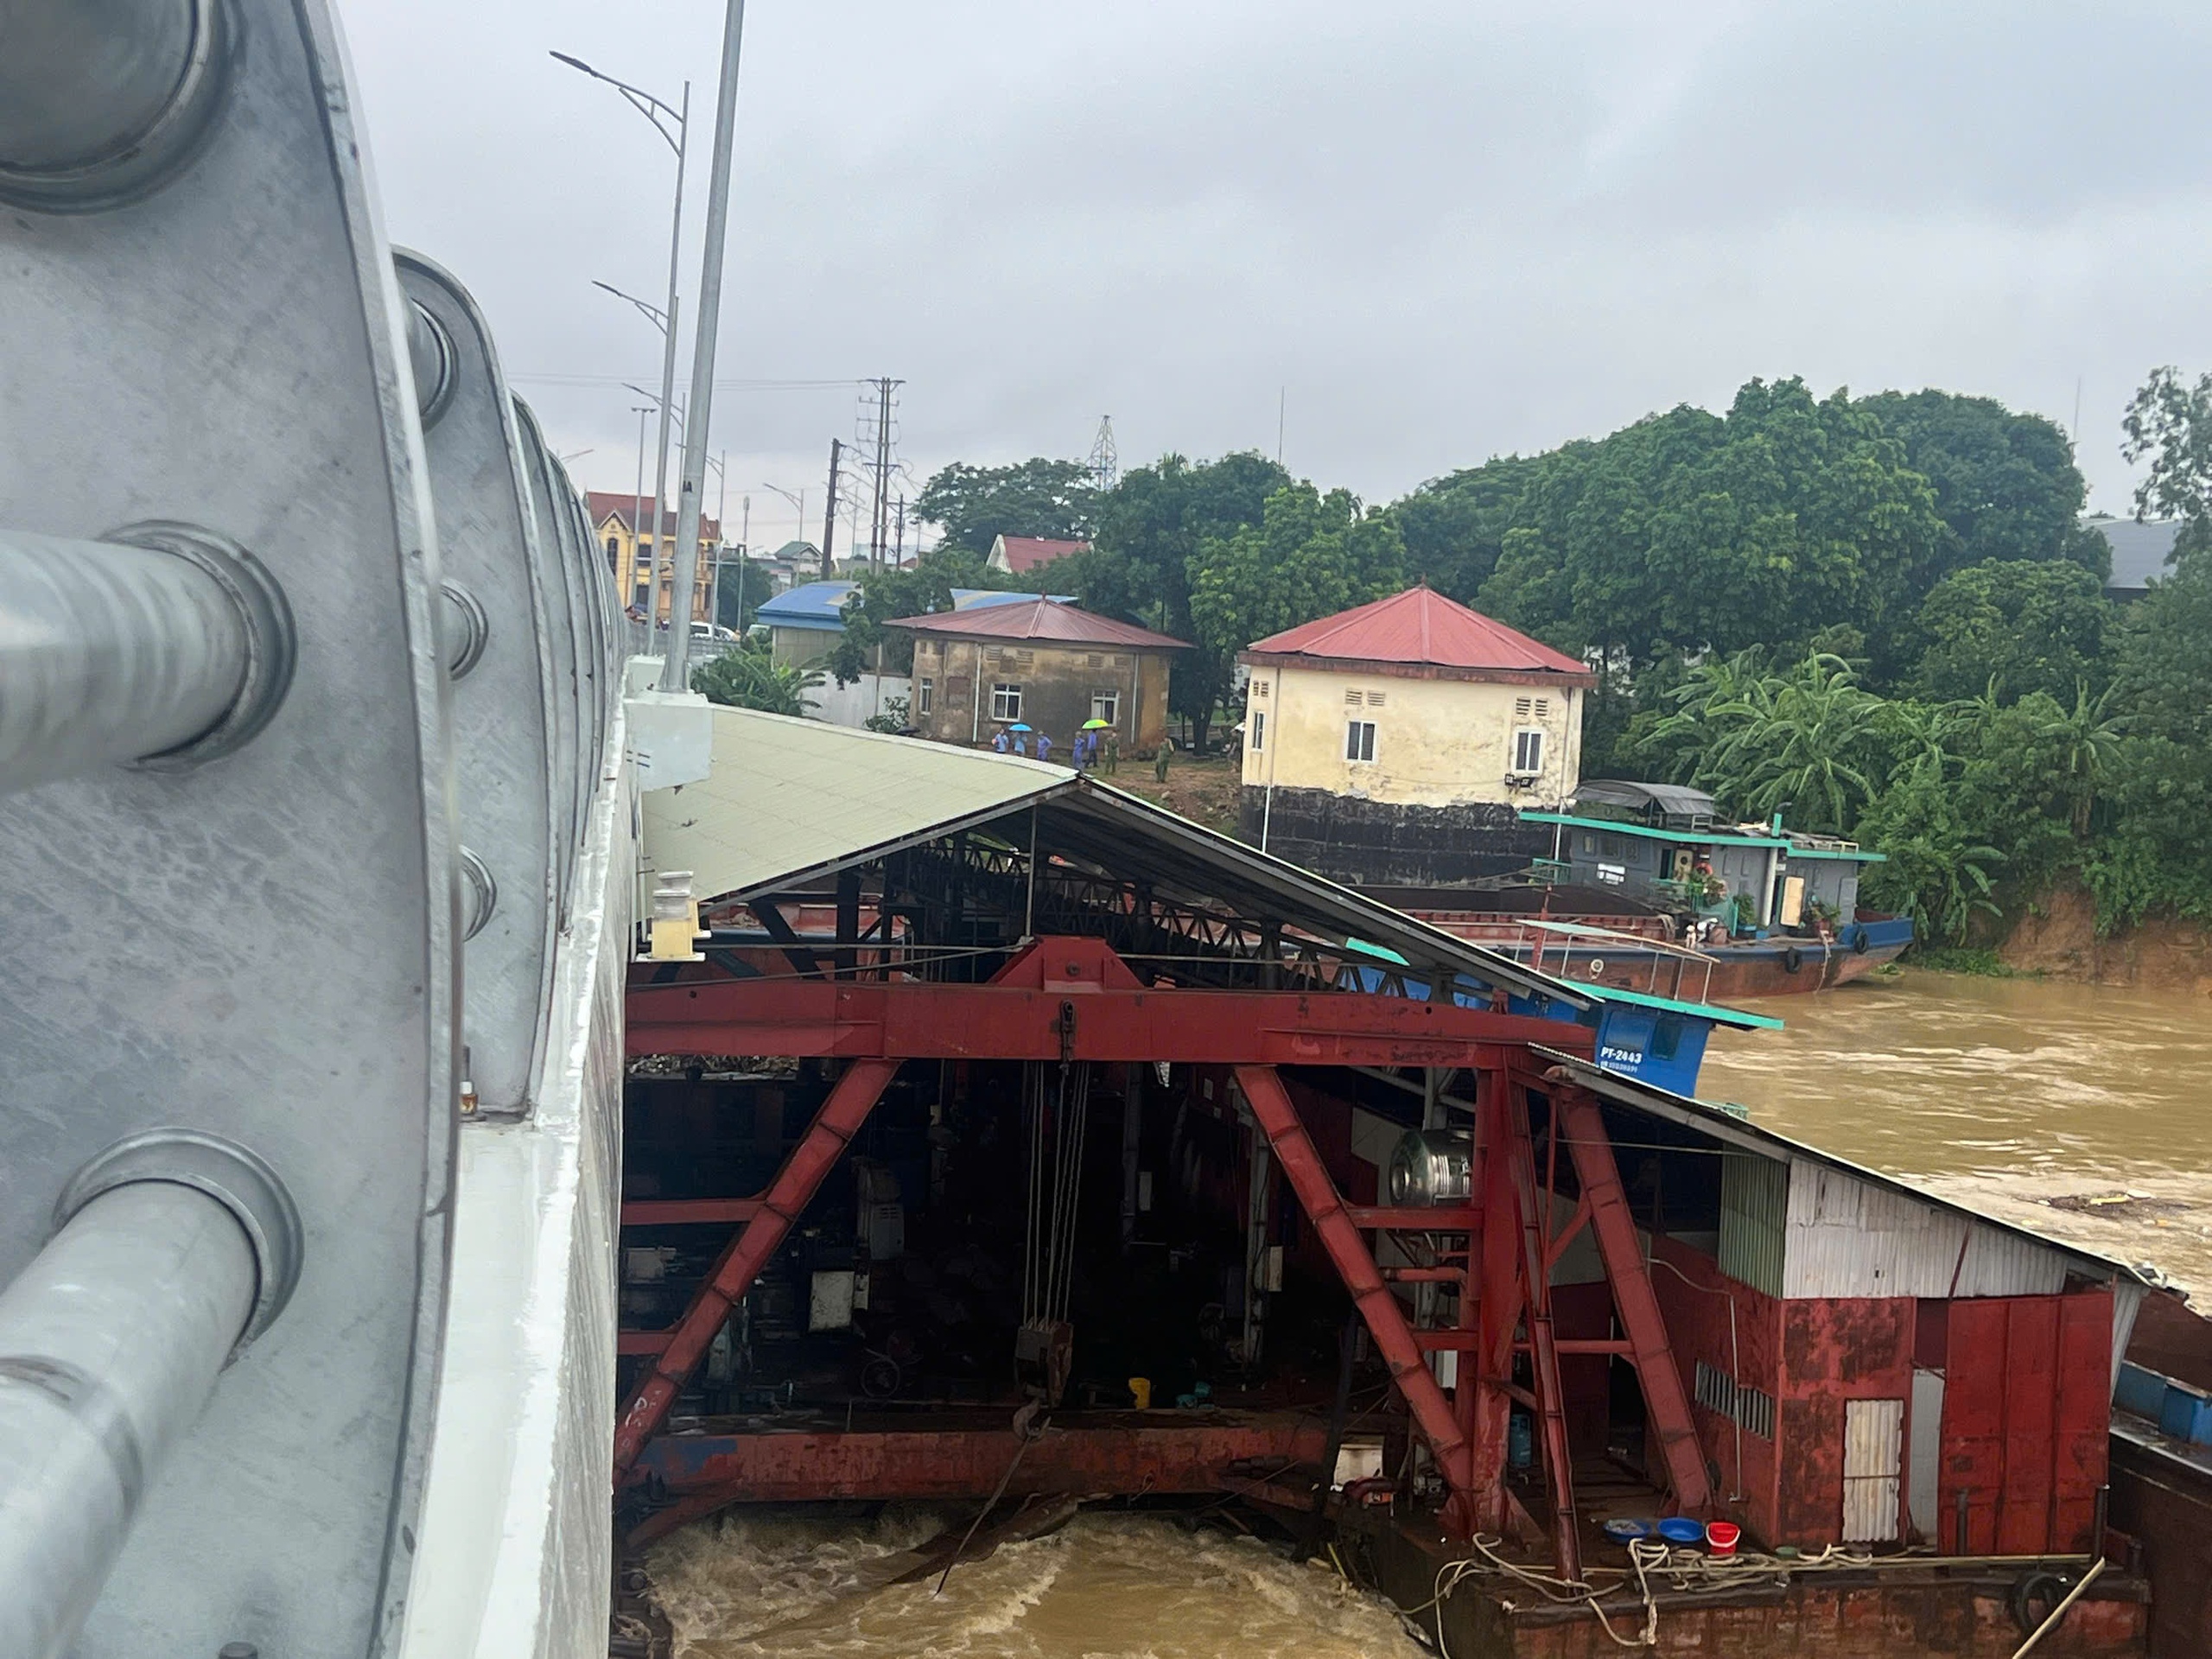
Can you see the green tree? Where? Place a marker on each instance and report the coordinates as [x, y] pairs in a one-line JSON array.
[[2030, 627], [2168, 423], [1454, 526], [2086, 740], [973, 505], [1150, 527], [2005, 483], [1933, 869], [1690, 531], [1310, 556], [922, 589], [2157, 853], [746, 678], [1806, 740]]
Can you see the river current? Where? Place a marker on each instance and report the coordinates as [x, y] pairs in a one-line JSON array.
[[2004, 1094]]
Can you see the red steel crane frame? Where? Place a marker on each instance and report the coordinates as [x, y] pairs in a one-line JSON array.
[[1074, 1000]]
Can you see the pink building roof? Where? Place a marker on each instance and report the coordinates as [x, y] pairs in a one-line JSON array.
[[1419, 630], [1027, 552], [1047, 619]]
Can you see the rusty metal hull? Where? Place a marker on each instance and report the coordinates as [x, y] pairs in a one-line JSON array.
[[1094, 1454]]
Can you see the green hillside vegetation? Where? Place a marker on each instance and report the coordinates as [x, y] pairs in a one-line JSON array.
[[1880, 616]]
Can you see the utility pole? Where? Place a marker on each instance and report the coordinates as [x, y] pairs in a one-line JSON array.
[[744, 551], [721, 545], [674, 673], [878, 538], [830, 514]]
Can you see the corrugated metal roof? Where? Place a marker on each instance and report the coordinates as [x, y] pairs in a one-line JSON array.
[[820, 605], [1041, 619], [1676, 800], [787, 797], [1419, 625], [812, 604], [1848, 1237], [2139, 550], [787, 800], [2008, 1256]]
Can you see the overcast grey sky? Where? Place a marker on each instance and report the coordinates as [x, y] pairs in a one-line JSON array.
[[1441, 231]]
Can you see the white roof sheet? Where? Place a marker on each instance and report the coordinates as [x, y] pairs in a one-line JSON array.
[[786, 797]]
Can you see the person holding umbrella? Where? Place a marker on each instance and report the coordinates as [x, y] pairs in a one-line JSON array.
[[1095, 730], [1021, 737]]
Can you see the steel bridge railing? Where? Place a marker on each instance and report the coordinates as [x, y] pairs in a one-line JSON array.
[[308, 671]]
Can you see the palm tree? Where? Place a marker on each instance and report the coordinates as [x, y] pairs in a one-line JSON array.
[[1804, 737], [2088, 745], [746, 678]]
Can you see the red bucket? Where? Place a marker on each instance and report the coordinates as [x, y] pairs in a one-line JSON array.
[[1722, 1537]]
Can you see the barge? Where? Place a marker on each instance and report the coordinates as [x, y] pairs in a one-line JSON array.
[[1067, 1149], [1650, 888]]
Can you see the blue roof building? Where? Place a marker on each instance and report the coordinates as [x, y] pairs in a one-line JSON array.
[[802, 621]]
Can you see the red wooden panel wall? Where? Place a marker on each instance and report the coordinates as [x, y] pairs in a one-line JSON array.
[[2027, 1393]]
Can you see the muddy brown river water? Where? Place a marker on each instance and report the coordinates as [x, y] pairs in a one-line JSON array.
[[2004, 1094]]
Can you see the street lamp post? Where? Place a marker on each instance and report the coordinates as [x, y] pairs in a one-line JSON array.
[[700, 406], [797, 501], [654, 110]]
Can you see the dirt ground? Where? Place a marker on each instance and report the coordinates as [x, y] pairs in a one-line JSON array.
[[2060, 939], [1202, 790]]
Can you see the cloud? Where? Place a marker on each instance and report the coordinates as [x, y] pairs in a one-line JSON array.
[[1435, 232]]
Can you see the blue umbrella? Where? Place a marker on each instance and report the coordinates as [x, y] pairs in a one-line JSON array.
[[1017, 726]]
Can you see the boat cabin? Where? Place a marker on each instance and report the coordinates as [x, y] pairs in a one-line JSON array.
[[1669, 844]]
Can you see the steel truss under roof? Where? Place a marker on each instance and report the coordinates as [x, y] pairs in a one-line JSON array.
[[790, 804]]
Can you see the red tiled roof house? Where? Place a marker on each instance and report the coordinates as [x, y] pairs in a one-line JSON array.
[[1019, 555], [1395, 741], [1045, 663]]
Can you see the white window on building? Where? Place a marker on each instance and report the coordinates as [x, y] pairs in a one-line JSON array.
[[1106, 706], [1258, 721], [924, 695], [1359, 739], [1527, 752], [1006, 701], [1259, 688]]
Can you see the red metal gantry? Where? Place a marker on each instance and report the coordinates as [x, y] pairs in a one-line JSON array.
[[1072, 1000]]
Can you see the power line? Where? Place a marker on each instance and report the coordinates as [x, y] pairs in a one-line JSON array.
[[720, 385]]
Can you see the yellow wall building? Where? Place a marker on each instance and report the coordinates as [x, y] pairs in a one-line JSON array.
[[1398, 741], [632, 557], [1049, 666]]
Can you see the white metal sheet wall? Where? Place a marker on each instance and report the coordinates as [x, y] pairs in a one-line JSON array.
[[1850, 1237], [1754, 1215], [1873, 1432]]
